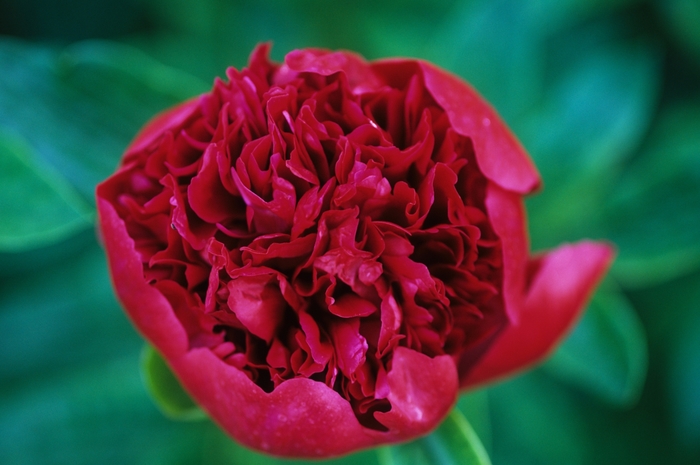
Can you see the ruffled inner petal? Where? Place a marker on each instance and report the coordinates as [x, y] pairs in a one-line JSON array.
[[310, 220]]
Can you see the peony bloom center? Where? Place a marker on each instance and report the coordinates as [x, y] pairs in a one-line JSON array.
[[303, 226], [325, 251]]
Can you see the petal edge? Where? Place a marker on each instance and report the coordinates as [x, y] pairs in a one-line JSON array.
[[499, 154], [563, 281]]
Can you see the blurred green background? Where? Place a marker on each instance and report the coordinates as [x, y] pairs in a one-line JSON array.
[[605, 95]]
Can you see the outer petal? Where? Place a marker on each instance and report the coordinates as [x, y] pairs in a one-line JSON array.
[[146, 306], [301, 417], [507, 214], [422, 391], [305, 418], [499, 154], [562, 283], [356, 69], [169, 118]]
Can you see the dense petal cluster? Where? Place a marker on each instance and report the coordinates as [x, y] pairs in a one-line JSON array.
[[328, 246]]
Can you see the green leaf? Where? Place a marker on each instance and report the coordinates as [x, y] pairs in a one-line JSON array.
[[682, 18], [94, 65], [37, 205], [454, 442], [61, 315], [684, 381], [606, 354], [220, 448], [71, 389], [474, 405], [494, 47], [597, 112], [68, 22], [165, 389], [591, 121], [673, 313], [556, 15], [80, 109], [537, 422], [91, 413], [669, 411], [43, 257], [653, 214]]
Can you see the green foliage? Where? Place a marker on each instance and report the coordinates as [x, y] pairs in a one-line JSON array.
[[537, 423], [653, 211], [165, 389], [496, 47], [79, 109], [37, 205], [682, 18], [684, 379], [590, 122], [452, 443], [607, 351]]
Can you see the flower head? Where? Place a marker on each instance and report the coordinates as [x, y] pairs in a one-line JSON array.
[[326, 251]]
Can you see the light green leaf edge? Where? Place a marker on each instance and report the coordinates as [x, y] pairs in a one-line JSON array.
[[158, 77], [578, 177], [165, 389], [626, 332], [640, 272], [16, 148], [673, 144], [453, 442]]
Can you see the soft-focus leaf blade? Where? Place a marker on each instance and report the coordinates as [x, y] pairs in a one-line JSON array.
[[80, 109], [43, 256], [474, 405], [56, 317], [37, 206], [606, 353], [671, 310], [591, 121], [93, 413], [454, 442], [71, 390], [555, 15], [222, 449], [165, 389], [93, 65], [682, 18], [684, 381], [597, 112], [537, 423], [494, 47], [653, 214]]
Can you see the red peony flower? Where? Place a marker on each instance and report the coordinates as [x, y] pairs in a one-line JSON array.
[[327, 251]]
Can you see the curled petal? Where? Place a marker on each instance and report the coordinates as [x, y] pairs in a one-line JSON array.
[[302, 417], [499, 154], [169, 119], [321, 62], [350, 345], [147, 307], [507, 214], [562, 281], [257, 303], [421, 391]]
